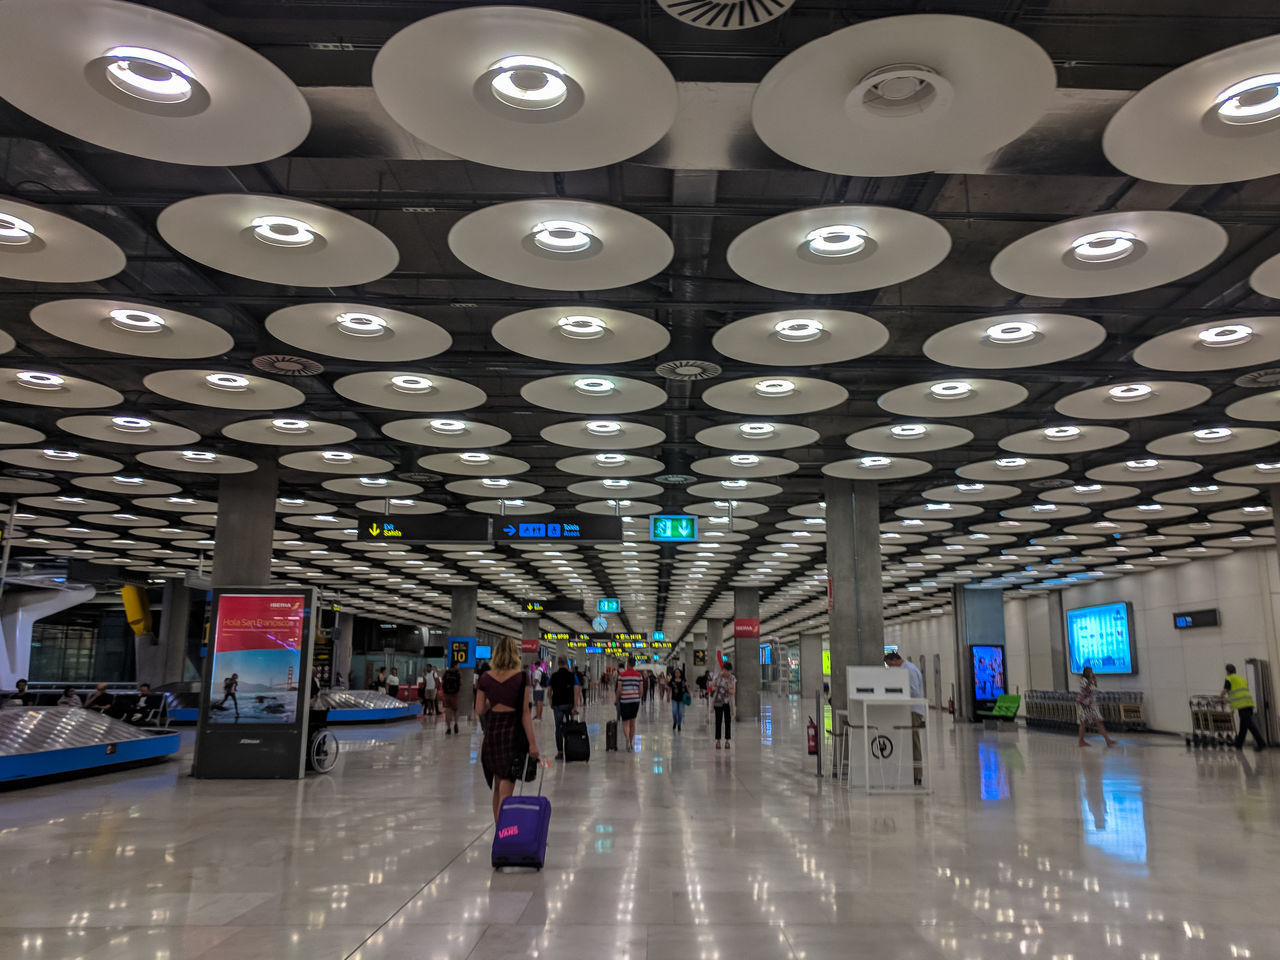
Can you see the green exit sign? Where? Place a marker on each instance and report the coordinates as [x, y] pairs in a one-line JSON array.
[[672, 528], [608, 605]]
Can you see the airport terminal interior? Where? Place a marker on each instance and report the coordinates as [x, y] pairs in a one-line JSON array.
[[818, 459]]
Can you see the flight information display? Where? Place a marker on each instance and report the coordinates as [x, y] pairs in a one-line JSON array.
[[1101, 637]]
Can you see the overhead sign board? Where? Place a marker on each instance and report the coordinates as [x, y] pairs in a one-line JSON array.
[[421, 528], [1187, 619], [672, 528], [565, 635], [462, 652], [553, 605], [579, 530], [608, 605], [699, 658]]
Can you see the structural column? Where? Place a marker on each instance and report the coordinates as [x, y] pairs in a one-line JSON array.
[[810, 665], [246, 520], [715, 637], [746, 664], [853, 566], [344, 625], [979, 618], [531, 629], [462, 623], [171, 654]]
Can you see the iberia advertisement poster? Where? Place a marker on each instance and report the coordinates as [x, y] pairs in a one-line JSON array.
[[257, 658]]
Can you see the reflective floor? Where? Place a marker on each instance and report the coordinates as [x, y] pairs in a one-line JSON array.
[[1029, 847]]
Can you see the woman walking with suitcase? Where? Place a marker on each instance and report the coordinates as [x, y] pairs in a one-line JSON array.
[[502, 698]]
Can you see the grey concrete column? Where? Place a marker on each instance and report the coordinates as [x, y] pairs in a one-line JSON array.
[[531, 629], [246, 519], [462, 623], [979, 618], [344, 626], [715, 639], [746, 606], [175, 612], [1058, 639], [853, 566], [810, 665]]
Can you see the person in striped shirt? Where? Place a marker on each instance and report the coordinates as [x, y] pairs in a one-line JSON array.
[[629, 690]]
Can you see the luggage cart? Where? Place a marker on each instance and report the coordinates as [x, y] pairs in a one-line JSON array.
[[1213, 723]]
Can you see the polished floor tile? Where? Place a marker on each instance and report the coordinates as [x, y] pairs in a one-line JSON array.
[[1028, 847]]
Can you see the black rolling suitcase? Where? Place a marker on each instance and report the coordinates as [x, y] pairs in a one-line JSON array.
[[611, 735], [577, 745]]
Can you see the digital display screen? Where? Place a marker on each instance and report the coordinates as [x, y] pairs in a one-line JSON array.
[[257, 658], [826, 663], [484, 651], [766, 654], [1195, 618], [1100, 637], [988, 671]]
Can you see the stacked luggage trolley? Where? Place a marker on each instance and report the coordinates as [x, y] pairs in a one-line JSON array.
[[1213, 722], [1122, 710]]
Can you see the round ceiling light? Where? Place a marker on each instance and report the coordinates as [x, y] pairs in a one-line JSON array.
[[594, 386], [40, 381], [970, 487], [582, 327], [733, 484], [1226, 335], [1129, 392], [562, 236], [448, 428], [227, 381], [951, 389], [361, 324], [839, 240], [1141, 465], [604, 428], [528, 83], [1012, 331], [149, 75], [1061, 433], [798, 330], [373, 481], [611, 459], [744, 459], [875, 463], [908, 431], [474, 457], [136, 321], [1087, 488], [14, 230], [1105, 246], [1212, 434], [197, 456], [495, 482], [616, 484], [756, 431], [337, 456], [1206, 491], [1255, 100], [1267, 467], [64, 455], [283, 231], [1011, 463], [131, 424], [287, 425], [775, 388], [406, 383]]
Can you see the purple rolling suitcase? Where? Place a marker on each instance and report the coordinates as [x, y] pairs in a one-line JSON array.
[[520, 838]]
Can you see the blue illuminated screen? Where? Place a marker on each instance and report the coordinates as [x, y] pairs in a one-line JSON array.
[[988, 671], [484, 651], [1100, 637]]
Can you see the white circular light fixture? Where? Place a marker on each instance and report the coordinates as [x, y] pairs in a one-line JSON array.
[[136, 321], [149, 74], [1212, 434], [337, 456], [1086, 488], [1011, 331], [1129, 392], [733, 484], [197, 456], [951, 389], [611, 459], [131, 424], [970, 487], [1105, 246], [562, 236], [406, 383], [875, 463], [373, 481], [582, 327], [1267, 467], [128, 481], [528, 83], [744, 459], [1255, 100], [63, 455], [1061, 433], [594, 386], [1205, 491], [908, 431], [840, 240], [287, 425], [226, 381], [448, 428], [496, 482], [14, 230], [1011, 463], [361, 324], [1141, 465], [798, 330], [474, 457], [1225, 335], [604, 428], [283, 231], [775, 388], [756, 431], [40, 381], [616, 484]]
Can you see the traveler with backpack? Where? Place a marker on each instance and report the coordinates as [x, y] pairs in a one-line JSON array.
[[541, 682], [566, 698], [503, 699], [450, 687], [722, 690]]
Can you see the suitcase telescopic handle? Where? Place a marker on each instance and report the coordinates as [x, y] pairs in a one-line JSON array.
[[542, 772]]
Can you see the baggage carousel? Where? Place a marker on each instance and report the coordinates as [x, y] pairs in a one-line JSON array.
[[339, 706], [38, 742]]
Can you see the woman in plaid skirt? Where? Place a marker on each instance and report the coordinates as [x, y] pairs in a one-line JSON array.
[[502, 698]]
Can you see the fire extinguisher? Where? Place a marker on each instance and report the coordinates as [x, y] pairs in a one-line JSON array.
[[813, 738]]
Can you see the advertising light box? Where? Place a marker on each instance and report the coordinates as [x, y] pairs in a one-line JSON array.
[[257, 657], [1101, 637]]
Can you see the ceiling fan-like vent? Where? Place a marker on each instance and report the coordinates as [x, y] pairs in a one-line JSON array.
[[1260, 379], [675, 479], [285, 365], [419, 476], [688, 370], [726, 14], [1050, 483]]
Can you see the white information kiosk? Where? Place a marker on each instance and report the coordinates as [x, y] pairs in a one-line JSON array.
[[895, 751]]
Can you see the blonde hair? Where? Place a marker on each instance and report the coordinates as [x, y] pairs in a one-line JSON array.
[[507, 655]]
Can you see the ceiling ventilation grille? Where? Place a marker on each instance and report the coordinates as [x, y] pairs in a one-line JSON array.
[[726, 14], [284, 365], [688, 370], [1260, 379]]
